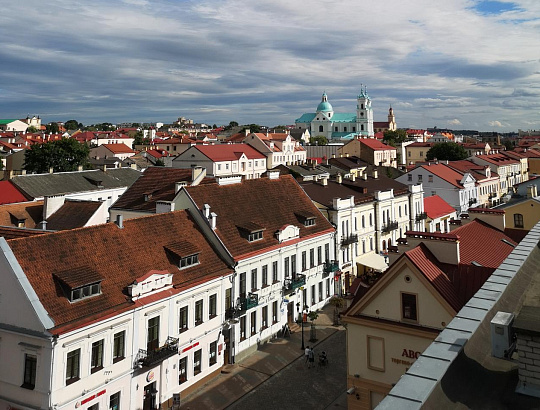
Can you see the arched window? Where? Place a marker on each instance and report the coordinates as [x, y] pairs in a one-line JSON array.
[[370, 219], [320, 128], [384, 246], [518, 220]]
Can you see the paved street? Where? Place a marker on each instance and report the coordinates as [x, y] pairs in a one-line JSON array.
[[300, 387]]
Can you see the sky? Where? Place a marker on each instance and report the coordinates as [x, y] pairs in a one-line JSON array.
[[459, 64]]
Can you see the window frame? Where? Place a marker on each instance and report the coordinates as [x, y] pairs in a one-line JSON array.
[[199, 312], [116, 346], [30, 371], [183, 319], [197, 362], [73, 366], [413, 315], [212, 306]]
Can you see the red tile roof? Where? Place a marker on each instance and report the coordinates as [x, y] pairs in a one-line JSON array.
[[435, 207], [119, 148], [375, 144], [424, 260], [29, 212], [9, 194], [446, 173], [498, 159], [228, 152], [116, 255], [73, 214], [269, 203]]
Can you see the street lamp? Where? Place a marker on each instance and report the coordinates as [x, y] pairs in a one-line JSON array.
[[301, 318]]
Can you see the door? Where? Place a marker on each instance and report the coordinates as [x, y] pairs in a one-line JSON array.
[[150, 391], [290, 312]]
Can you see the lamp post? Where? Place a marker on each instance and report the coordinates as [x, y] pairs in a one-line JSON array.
[[301, 318]]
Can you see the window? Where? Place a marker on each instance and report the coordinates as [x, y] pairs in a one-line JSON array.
[[189, 261], [320, 291], [254, 280], [363, 246], [72, 366], [119, 342], [197, 362], [212, 306], [153, 334], [409, 154], [312, 295], [421, 153], [319, 255], [312, 257], [327, 287], [326, 252], [293, 264], [287, 267], [253, 322], [228, 299], [320, 128], [363, 221], [97, 356], [85, 291], [198, 312], [243, 328], [30, 365], [274, 312], [183, 323], [371, 243], [518, 220], [336, 129], [304, 260], [274, 272], [114, 401], [243, 285], [409, 177], [430, 178], [370, 219], [213, 353], [94, 407], [265, 276], [255, 236], [408, 307], [182, 370], [309, 222], [264, 319]]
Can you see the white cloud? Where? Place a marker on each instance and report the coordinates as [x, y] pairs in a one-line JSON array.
[[495, 124], [453, 122]]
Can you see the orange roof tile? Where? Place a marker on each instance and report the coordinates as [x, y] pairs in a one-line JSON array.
[[228, 152], [375, 144], [435, 207]]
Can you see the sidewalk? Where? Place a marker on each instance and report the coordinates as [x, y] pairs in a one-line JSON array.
[[244, 376]]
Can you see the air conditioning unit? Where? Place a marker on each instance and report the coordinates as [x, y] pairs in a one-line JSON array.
[[501, 334]]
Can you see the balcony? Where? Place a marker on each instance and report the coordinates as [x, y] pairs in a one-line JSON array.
[[292, 284], [472, 201], [150, 359], [249, 302], [421, 216], [492, 195], [348, 240], [330, 267], [390, 226]]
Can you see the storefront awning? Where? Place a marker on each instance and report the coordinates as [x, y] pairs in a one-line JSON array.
[[374, 261]]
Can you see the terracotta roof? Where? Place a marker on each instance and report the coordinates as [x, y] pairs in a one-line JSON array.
[[424, 260], [483, 244], [161, 182], [73, 214], [446, 173], [228, 152], [9, 194], [119, 148], [435, 207], [30, 212], [375, 144], [498, 159], [268, 203], [9, 232], [116, 255]]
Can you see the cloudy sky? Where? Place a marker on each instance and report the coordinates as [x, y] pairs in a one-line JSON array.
[[461, 64]]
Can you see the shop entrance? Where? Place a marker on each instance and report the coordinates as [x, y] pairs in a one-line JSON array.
[[150, 392]]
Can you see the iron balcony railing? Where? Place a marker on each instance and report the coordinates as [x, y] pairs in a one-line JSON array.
[[151, 358], [249, 302], [330, 267], [390, 226], [294, 283], [421, 216], [347, 240]]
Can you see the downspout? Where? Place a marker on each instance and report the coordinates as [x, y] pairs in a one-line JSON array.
[[54, 342]]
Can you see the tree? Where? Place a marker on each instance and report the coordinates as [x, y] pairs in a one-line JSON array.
[[394, 138], [31, 129], [508, 144], [159, 163], [446, 151], [319, 140], [52, 128], [72, 125], [62, 155]]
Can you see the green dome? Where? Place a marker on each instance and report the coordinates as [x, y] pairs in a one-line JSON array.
[[324, 105]]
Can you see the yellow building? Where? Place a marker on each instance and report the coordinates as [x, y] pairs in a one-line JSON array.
[[416, 152], [404, 311]]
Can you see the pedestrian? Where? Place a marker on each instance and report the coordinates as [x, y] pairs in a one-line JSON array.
[[306, 354], [311, 358]]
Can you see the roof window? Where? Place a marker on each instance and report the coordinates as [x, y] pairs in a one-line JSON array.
[[185, 253], [306, 218], [251, 231], [79, 283]]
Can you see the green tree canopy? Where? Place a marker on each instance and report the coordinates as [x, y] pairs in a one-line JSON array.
[[394, 138], [446, 151], [62, 155], [52, 127], [319, 140], [31, 129], [72, 125]]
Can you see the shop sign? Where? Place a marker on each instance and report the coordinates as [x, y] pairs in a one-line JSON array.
[[89, 398], [150, 376], [189, 347], [411, 354]]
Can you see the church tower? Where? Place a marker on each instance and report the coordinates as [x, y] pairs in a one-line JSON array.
[[364, 114], [392, 126]]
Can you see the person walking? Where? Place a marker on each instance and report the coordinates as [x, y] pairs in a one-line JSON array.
[[311, 358], [306, 354]]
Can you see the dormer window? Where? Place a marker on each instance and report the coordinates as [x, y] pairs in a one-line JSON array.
[[251, 231], [185, 253], [79, 283], [306, 218], [309, 221], [255, 236]]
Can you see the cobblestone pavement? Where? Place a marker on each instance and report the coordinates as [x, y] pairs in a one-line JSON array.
[[300, 387], [275, 376]]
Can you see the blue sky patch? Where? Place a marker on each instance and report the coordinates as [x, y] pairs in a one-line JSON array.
[[495, 7]]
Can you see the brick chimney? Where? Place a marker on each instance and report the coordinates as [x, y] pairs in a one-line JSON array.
[[444, 246]]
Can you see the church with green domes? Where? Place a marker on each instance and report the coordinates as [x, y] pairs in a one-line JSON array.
[[339, 126]]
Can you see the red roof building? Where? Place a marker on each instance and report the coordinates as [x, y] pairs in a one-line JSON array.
[[9, 194]]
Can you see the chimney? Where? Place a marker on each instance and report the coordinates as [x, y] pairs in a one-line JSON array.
[[213, 220], [23, 172], [79, 168], [532, 191], [51, 170], [353, 177], [206, 211], [120, 221], [444, 246], [51, 204], [375, 174], [104, 168], [339, 178], [364, 176], [324, 181], [178, 186], [493, 217]]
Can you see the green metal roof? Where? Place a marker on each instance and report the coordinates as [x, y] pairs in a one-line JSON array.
[[4, 122], [344, 117], [324, 106], [307, 117]]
